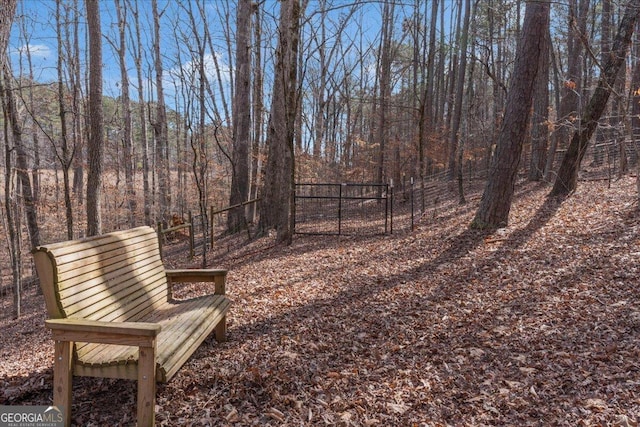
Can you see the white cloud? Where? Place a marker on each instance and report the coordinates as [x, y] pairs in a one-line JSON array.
[[41, 51], [190, 69]]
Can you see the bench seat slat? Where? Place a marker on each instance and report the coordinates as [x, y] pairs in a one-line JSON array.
[[179, 321], [70, 251], [122, 297], [197, 336], [105, 253], [188, 324], [91, 269]]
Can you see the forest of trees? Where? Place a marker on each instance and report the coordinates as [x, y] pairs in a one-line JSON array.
[[212, 103]]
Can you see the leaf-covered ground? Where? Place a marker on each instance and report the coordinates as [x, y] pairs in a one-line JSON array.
[[536, 324]]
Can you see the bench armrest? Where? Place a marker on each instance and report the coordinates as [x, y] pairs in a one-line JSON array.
[[138, 334], [195, 275], [218, 276]]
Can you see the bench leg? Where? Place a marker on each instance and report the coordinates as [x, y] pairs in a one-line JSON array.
[[221, 330], [220, 285], [147, 386], [63, 378]]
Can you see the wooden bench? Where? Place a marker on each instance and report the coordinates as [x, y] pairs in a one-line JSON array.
[[112, 314]]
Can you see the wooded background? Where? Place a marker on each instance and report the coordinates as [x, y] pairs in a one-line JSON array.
[[212, 103]]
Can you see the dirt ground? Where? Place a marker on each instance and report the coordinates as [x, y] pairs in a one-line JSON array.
[[537, 324]]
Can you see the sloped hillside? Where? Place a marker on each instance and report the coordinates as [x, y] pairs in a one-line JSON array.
[[535, 324]]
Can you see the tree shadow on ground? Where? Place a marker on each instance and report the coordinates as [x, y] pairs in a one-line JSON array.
[[458, 247], [353, 296]]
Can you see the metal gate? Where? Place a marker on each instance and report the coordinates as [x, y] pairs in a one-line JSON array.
[[343, 209]]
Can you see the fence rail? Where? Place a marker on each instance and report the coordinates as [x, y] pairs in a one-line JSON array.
[[346, 208]]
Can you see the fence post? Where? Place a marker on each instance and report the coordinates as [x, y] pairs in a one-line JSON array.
[[412, 196], [388, 191], [391, 207], [212, 224], [160, 237], [340, 208], [191, 236]]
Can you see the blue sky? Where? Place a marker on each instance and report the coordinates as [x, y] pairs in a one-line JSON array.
[[35, 27]]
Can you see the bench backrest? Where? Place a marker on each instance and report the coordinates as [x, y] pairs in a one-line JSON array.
[[113, 277]]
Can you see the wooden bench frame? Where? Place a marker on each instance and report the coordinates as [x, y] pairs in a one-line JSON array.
[[62, 274]]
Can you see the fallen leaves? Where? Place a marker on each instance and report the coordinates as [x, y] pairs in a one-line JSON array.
[[538, 324]]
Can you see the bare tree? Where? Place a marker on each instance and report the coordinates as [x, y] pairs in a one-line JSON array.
[[276, 206], [79, 119], [142, 116], [195, 87], [96, 129], [567, 179], [454, 130], [570, 105], [9, 104], [160, 123], [7, 14], [258, 110], [236, 219], [634, 98], [67, 151], [11, 205], [127, 143], [540, 119], [384, 71], [496, 199], [35, 172]]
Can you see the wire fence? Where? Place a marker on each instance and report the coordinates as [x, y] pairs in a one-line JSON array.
[[343, 209], [360, 208]]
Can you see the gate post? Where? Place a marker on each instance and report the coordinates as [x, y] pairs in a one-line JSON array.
[[295, 208], [391, 206], [192, 237], [340, 208], [160, 238], [412, 226]]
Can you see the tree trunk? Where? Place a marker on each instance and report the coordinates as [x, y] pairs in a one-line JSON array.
[[137, 57], [258, 96], [570, 105], [35, 172], [634, 98], [496, 199], [384, 70], [454, 131], [160, 127], [606, 134], [276, 206], [319, 101], [567, 179], [7, 13], [9, 105], [127, 143], [539, 122], [13, 226], [236, 219], [427, 118], [67, 153], [96, 128], [78, 118]]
